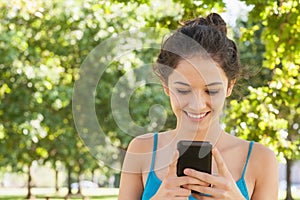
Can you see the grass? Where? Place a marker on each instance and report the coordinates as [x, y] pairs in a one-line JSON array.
[[296, 195], [43, 193], [88, 194], [60, 198]]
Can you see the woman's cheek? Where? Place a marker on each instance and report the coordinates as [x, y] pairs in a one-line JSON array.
[[218, 102], [178, 101]]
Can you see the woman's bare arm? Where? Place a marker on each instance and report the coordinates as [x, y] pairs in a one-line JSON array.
[[131, 183], [266, 172]]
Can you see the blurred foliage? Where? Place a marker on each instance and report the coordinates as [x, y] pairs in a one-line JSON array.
[[44, 43], [270, 112]]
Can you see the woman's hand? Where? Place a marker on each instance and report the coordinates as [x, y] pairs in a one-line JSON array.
[[171, 184], [223, 185]]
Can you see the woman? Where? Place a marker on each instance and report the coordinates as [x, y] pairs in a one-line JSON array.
[[198, 66]]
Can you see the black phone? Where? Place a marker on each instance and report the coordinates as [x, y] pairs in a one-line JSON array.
[[195, 155]]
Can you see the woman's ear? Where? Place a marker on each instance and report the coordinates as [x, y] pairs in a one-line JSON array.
[[230, 87], [166, 88]]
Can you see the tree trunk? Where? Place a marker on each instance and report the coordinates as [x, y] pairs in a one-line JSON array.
[[118, 175], [29, 194], [78, 180], [69, 181], [56, 180], [289, 164], [93, 175]]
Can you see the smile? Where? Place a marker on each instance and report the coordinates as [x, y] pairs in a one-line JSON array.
[[196, 116]]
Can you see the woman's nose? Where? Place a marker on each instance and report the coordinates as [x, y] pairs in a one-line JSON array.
[[197, 101]]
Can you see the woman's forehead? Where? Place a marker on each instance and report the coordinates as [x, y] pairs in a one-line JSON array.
[[198, 71]]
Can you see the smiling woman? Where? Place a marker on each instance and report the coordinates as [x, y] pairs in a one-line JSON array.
[[198, 66], [197, 88]]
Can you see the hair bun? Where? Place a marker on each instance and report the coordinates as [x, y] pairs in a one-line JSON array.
[[213, 19], [216, 20]]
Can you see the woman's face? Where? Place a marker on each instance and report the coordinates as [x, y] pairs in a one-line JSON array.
[[197, 88]]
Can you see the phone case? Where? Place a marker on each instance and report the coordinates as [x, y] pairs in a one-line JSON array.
[[194, 154]]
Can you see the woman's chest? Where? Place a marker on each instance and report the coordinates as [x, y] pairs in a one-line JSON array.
[[234, 160]]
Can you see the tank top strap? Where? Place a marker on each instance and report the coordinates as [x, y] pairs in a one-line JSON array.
[[248, 157], [155, 138]]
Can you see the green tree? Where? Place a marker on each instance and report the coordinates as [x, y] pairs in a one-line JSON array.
[[42, 46], [270, 113]]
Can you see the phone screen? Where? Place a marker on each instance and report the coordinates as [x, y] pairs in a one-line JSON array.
[[195, 155]]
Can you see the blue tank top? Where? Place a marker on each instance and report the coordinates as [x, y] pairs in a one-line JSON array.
[[153, 182]]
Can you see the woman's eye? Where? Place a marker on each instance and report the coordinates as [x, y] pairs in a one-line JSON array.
[[212, 92], [183, 91]]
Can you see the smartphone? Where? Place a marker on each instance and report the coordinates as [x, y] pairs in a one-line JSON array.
[[195, 155]]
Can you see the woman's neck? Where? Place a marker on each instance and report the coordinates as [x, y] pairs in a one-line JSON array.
[[211, 134]]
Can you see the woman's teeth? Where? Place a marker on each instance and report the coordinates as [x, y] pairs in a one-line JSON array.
[[196, 116]]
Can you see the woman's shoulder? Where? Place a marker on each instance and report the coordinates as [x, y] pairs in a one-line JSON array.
[[259, 152], [264, 171], [145, 142], [262, 155], [141, 143], [138, 153], [261, 158]]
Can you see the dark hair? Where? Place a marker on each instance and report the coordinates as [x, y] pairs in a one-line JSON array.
[[201, 36]]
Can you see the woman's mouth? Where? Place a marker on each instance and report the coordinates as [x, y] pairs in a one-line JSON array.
[[196, 117]]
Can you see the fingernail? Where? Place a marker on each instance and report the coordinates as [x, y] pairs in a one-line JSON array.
[[187, 171]]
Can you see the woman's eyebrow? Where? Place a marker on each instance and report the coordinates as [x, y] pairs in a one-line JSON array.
[[181, 83], [210, 84], [214, 83]]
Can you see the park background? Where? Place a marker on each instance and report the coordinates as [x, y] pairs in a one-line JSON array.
[[44, 43]]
